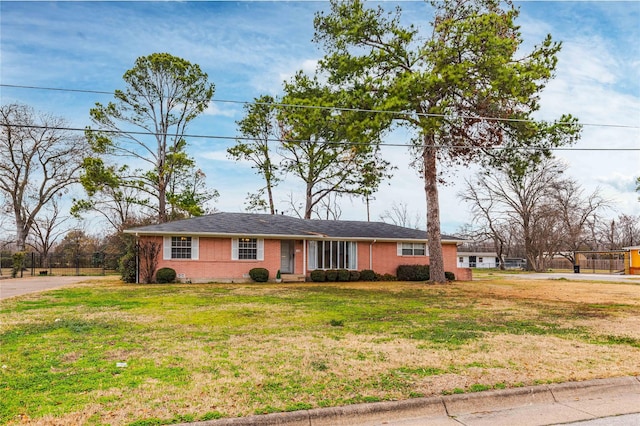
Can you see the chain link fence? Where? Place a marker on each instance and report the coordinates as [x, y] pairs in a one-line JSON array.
[[77, 264]]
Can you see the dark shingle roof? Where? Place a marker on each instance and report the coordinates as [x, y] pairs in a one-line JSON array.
[[251, 224]]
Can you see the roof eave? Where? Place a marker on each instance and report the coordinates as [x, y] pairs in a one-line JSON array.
[[278, 236]]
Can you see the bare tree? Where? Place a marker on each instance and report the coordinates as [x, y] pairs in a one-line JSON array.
[[623, 231], [505, 197], [629, 230], [552, 213], [486, 214], [399, 215], [39, 160], [47, 229], [328, 208], [148, 254], [577, 211]]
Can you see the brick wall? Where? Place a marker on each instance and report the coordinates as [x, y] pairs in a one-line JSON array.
[[215, 264], [383, 258]]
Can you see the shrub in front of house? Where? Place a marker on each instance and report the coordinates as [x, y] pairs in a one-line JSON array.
[[344, 275], [354, 276], [413, 273], [388, 277], [367, 275], [127, 267], [332, 275], [318, 276], [450, 276], [165, 275], [259, 275]]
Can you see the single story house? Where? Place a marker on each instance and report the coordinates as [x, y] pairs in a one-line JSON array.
[[478, 259], [223, 247]]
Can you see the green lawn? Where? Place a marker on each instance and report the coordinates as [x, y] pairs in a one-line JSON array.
[[111, 353]]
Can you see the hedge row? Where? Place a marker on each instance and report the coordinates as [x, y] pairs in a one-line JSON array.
[[336, 275], [418, 273]]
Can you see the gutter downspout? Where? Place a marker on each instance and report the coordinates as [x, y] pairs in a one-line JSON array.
[[371, 254], [137, 259]]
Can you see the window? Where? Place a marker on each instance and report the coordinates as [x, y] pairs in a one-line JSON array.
[[333, 255], [412, 249], [247, 249], [180, 247], [461, 259], [480, 260]]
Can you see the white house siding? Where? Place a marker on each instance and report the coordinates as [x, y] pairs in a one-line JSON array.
[[477, 260]]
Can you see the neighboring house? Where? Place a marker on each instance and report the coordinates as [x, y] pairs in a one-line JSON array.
[[478, 260], [223, 247], [632, 260]]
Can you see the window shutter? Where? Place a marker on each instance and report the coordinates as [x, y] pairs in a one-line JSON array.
[[234, 249], [399, 249], [195, 248], [166, 249], [260, 250]]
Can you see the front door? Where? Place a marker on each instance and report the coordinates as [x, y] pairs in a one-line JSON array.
[[287, 256], [472, 261]]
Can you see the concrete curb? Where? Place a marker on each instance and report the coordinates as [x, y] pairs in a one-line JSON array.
[[572, 401]]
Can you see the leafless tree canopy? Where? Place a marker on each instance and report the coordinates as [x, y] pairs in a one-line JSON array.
[[38, 161], [544, 211], [400, 215]]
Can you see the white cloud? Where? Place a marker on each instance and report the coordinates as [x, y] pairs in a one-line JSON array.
[[215, 109], [619, 181]]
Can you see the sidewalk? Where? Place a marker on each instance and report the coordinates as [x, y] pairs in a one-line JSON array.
[[528, 406]]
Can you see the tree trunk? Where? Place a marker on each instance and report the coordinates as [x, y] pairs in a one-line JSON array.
[[272, 207], [162, 203], [436, 259], [499, 246], [308, 202], [22, 229]]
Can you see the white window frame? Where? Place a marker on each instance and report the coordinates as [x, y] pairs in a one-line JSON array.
[[333, 254], [167, 252], [236, 247], [413, 247]]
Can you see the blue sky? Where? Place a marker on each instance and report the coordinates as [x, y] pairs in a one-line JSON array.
[[250, 48]]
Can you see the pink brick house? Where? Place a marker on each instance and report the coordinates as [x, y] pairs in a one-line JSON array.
[[223, 247]]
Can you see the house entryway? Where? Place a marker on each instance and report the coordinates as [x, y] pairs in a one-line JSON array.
[[288, 262], [287, 256]]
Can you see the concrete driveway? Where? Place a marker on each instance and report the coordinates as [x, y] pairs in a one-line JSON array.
[[18, 286]]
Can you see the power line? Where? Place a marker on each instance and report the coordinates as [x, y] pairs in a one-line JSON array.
[[238, 102], [401, 145]]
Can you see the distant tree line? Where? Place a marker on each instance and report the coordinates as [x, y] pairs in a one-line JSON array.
[[542, 214]]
